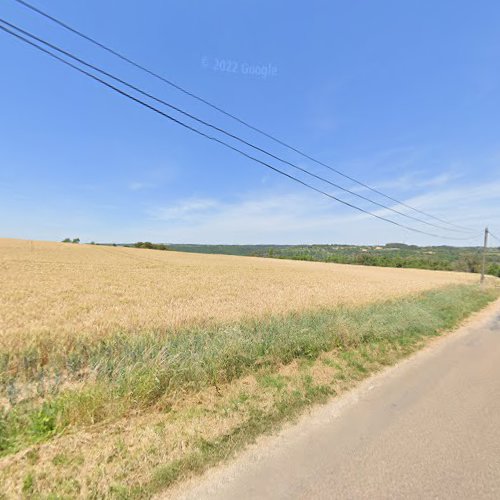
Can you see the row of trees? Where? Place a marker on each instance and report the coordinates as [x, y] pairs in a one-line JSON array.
[[392, 255], [139, 244], [444, 258]]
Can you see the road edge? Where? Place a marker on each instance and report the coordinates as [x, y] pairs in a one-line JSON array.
[[321, 414]]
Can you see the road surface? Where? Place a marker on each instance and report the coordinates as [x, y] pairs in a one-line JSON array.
[[427, 428]]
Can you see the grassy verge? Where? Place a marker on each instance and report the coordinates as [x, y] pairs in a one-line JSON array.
[[249, 378]]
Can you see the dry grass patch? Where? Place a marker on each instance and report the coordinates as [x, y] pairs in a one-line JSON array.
[[130, 449]]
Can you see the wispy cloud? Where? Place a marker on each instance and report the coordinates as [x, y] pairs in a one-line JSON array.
[[416, 180], [253, 218], [474, 205], [153, 178], [304, 217], [289, 215], [139, 186], [184, 210]]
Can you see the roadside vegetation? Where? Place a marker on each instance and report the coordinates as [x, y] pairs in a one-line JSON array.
[[127, 415]]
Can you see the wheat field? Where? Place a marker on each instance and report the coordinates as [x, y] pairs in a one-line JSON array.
[[61, 290], [123, 370]]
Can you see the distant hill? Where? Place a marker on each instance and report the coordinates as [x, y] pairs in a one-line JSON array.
[[442, 257]]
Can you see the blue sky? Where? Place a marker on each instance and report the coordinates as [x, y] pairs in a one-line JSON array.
[[403, 95]]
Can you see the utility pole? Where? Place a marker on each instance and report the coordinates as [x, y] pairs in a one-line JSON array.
[[484, 253]]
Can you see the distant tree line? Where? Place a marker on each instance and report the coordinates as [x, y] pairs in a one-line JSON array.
[[444, 258]]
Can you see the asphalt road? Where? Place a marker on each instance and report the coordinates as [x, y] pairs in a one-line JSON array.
[[427, 428]]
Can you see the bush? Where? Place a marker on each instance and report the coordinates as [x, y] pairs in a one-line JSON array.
[[151, 246]]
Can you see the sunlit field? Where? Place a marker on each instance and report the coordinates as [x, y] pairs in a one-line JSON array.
[[123, 370], [64, 291]]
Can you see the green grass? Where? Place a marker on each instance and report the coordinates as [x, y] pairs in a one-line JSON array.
[[129, 374]]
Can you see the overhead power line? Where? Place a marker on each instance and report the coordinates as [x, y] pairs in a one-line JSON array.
[[215, 139], [493, 236], [230, 115], [161, 101]]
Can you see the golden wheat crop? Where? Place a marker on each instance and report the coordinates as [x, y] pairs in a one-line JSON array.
[[56, 289]]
